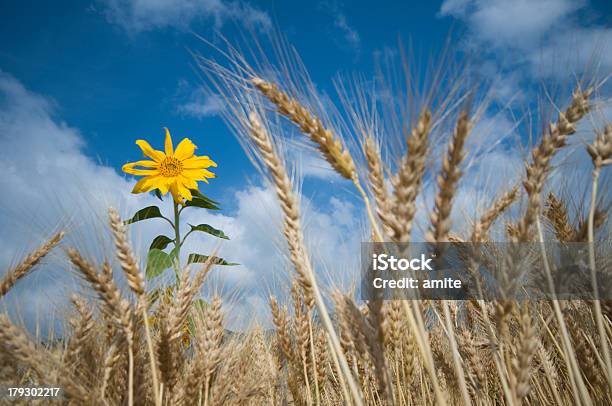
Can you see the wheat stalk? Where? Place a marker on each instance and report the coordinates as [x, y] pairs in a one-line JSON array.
[[295, 239], [137, 285], [440, 223], [601, 155]]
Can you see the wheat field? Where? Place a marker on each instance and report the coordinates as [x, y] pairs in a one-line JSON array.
[[328, 347]]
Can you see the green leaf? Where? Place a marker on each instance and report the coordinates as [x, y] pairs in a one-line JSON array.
[[200, 259], [205, 228], [173, 253], [144, 214], [157, 262], [199, 200], [160, 242], [201, 203], [158, 194], [197, 193]]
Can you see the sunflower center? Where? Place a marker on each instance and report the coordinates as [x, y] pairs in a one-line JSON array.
[[170, 167]]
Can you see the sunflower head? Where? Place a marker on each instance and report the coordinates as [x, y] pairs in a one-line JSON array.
[[175, 171]]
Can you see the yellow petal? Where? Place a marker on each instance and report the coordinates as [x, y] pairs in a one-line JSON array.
[[185, 149], [163, 184], [175, 193], [145, 185], [184, 191], [145, 163], [141, 172], [190, 183], [129, 168], [198, 174], [155, 155], [198, 162], [168, 143]]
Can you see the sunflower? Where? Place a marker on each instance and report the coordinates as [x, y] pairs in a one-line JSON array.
[[175, 171]]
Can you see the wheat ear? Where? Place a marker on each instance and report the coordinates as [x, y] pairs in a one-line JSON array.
[[599, 218], [111, 357], [481, 229], [376, 176], [288, 203], [185, 297], [601, 148], [279, 319], [124, 253], [556, 213], [447, 181], [521, 365], [171, 326], [28, 263], [81, 335], [538, 170], [330, 147], [107, 291], [295, 239], [212, 334], [410, 176]]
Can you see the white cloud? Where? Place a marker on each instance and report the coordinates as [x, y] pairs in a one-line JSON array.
[[516, 23], [201, 105], [575, 50], [548, 38], [49, 182], [310, 164], [145, 15], [350, 36]]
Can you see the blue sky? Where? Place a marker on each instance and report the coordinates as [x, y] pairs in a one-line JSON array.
[[81, 81], [118, 71], [116, 85]]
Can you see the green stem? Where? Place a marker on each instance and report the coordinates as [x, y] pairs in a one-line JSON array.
[[177, 242], [185, 237]]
